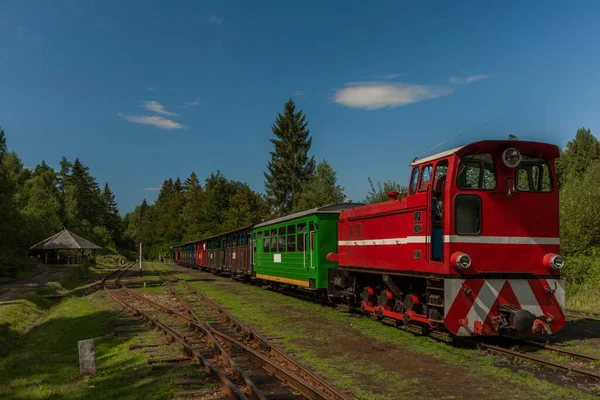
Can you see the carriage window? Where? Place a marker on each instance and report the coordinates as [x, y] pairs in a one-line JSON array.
[[281, 244], [273, 240], [533, 175], [266, 242], [291, 229], [467, 217], [476, 171], [414, 177], [291, 243], [425, 178], [300, 237], [282, 231]]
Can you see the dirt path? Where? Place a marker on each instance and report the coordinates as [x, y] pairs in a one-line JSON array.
[[15, 290]]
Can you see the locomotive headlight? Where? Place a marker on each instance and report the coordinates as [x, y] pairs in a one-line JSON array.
[[461, 260], [554, 261], [511, 157]]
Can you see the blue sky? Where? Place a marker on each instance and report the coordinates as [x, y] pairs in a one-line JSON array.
[[145, 90]]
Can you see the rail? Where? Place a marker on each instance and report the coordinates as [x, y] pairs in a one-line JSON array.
[[228, 387], [300, 371]]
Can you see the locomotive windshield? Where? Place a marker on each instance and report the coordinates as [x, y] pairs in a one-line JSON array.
[[476, 171], [533, 175]]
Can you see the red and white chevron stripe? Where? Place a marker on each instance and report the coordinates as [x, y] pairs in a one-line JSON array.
[[472, 303]]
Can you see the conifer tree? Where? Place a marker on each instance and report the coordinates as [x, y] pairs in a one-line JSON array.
[[290, 166], [110, 214], [578, 155]]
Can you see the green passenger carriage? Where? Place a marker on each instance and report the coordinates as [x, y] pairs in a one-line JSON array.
[[293, 249]]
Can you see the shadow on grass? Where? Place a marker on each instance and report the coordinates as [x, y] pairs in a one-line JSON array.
[[45, 362]]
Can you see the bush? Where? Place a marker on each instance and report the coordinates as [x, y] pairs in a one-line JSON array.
[[583, 268]]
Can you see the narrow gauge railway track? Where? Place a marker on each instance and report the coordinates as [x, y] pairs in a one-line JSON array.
[[164, 275], [525, 356], [562, 350], [199, 343], [196, 355], [235, 334], [263, 379], [507, 352]]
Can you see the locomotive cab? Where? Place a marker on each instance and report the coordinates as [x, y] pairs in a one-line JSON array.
[[493, 208]]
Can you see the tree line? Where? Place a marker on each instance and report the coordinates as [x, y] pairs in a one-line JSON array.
[[36, 203]]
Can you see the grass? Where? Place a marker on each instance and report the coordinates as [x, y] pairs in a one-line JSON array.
[[277, 315], [80, 278], [44, 365], [583, 298], [18, 316]]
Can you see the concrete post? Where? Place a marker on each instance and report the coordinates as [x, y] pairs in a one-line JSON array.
[[87, 357]]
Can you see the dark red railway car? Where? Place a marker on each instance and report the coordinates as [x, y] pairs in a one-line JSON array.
[[473, 247], [237, 252], [200, 256]]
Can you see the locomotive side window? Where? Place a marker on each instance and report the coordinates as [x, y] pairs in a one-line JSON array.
[[476, 171], [425, 178], [414, 178], [467, 214], [533, 175]]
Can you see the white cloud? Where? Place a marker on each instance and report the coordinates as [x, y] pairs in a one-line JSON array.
[[299, 93], [156, 107], [374, 95], [216, 20], [388, 76], [158, 121], [194, 102], [151, 89], [152, 188], [456, 80]]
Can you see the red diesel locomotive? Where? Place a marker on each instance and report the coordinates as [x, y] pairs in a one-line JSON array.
[[473, 247]]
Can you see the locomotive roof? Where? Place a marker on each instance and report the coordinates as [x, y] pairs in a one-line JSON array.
[[550, 150], [329, 209]]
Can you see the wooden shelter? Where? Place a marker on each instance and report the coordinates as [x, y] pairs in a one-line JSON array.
[[65, 240]]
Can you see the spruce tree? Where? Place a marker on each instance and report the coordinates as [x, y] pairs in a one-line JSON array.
[[110, 215], [290, 166]]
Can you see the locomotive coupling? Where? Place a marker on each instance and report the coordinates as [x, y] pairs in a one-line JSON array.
[[514, 318]]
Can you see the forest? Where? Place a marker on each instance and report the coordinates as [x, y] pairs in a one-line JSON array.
[[35, 203]]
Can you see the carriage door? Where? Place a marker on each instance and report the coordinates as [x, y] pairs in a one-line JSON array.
[[438, 190], [311, 243]]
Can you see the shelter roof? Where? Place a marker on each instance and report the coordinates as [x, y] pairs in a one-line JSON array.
[[64, 240]]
